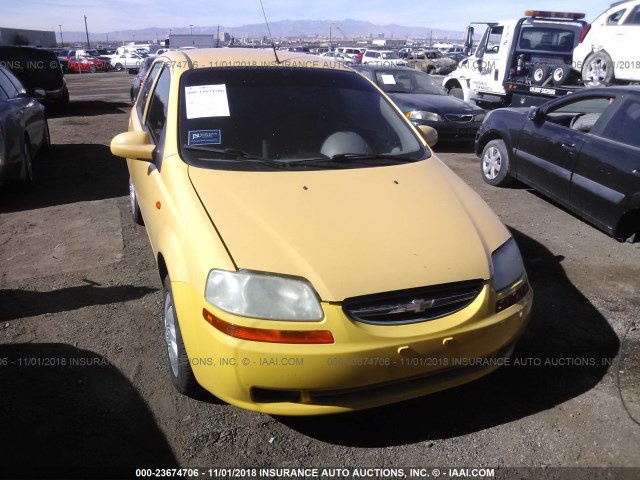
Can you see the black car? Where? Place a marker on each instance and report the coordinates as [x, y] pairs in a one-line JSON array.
[[38, 70], [425, 102], [581, 150]]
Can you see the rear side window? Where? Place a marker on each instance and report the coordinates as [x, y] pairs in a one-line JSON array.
[[146, 87], [623, 126], [158, 103], [6, 85]]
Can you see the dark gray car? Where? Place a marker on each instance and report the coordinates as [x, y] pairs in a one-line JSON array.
[[23, 133]]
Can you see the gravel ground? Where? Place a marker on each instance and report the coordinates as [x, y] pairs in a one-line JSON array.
[[83, 380]]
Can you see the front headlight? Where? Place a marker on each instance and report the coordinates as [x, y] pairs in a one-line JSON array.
[[507, 265], [479, 117], [422, 115], [262, 295]]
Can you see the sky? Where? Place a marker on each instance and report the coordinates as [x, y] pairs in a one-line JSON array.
[[115, 15]]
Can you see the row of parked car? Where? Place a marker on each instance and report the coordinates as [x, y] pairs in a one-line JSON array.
[[92, 61], [431, 61]]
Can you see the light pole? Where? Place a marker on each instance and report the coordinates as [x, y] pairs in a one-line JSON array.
[[87, 31], [61, 40]]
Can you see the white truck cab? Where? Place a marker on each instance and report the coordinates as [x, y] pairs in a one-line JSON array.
[[520, 61]]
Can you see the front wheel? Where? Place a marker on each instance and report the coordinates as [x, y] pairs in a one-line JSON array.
[[26, 171], [92, 68], [456, 92], [118, 67], [135, 207], [494, 166], [180, 370], [597, 70]]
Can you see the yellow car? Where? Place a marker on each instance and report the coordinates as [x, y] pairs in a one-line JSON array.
[[316, 256]]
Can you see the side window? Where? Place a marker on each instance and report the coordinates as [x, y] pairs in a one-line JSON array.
[[615, 17], [580, 115], [623, 126], [158, 102], [15, 82], [494, 40], [146, 87], [634, 17], [7, 86]]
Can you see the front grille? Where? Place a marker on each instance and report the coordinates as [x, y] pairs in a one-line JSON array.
[[414, 305], [454, 117]]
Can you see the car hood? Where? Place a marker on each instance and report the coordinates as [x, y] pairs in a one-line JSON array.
[[353, 232], [436, 103]]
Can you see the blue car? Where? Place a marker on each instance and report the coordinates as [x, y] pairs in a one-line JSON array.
[[425, 102]]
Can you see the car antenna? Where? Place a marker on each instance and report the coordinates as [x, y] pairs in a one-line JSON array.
[[273, 45]]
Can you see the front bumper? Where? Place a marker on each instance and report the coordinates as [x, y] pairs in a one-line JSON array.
[[367, 366], [453, 131]]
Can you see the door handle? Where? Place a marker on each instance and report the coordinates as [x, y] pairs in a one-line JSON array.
[[636, 171], [569, 146]]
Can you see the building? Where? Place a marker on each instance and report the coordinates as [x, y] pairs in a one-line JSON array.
[[32, 38], [196, 41]]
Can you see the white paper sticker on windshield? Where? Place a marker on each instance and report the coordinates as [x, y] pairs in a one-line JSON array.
[[206, 101], [388, 79]]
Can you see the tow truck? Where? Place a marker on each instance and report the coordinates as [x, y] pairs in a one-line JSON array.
[[519, 62]]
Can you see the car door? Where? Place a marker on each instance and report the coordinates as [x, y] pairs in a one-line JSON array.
[[548, 144], [10, 119], [606, 179], [626, 61], [147, 177]]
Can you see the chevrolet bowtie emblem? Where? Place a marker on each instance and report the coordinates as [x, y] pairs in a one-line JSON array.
[[419, 305]]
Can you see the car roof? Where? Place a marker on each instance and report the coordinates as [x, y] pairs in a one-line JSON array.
[[248, 57]]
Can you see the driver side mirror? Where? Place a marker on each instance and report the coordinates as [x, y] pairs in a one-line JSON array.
[[535, 114], [468, 44], [134, 145], [429, 134]]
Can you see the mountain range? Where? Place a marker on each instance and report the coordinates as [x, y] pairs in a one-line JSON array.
[[284, 29]]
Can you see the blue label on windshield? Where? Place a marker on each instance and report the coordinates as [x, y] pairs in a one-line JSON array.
[[205, 137]]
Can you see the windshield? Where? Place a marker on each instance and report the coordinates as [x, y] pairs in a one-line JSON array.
[[232, 118], [407, 81], [547, 38]]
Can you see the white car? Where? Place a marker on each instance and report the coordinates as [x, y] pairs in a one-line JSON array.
[[383, 58], [608, 51], [129, 61]]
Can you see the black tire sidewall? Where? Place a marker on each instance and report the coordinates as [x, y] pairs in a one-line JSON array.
[[185, 381]]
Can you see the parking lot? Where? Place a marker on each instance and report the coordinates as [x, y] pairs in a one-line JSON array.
[[82, 355]]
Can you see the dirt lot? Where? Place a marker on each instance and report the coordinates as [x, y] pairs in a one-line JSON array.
[[83, 385]]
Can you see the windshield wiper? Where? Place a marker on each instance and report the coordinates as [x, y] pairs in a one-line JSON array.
[[236, 154], [352, 158]]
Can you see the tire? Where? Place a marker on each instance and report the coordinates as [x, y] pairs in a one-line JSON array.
[[65, 97], [560, 74], [118, 67], [456, 92], [539, 74], [495, 165], [46, 141], [179, 367], [136, 214], [26, 178], [92, 69], [133, 100], [597, 70]]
